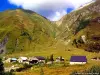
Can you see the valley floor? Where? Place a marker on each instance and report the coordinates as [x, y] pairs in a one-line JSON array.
[[65, 52]]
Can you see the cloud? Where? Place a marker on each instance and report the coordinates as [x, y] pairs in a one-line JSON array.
[[57, 15], [52, 9], [78, 3]]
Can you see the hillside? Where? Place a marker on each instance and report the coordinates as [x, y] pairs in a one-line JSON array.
[[78, 26], [24, 33], [22, 30]]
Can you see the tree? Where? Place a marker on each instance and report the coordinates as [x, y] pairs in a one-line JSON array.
[[60, 58], [51, 58], [47, 59], [2, 69], [1, 66]]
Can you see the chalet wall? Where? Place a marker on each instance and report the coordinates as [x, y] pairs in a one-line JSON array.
[[77, 63]]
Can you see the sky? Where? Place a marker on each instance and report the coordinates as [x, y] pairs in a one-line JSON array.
[[51, 9]]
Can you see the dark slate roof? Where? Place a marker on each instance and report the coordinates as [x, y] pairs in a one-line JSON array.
[[40, 57], [78, 59]]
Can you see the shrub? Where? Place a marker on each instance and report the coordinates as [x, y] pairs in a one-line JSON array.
[[25, 66], [94, 70]]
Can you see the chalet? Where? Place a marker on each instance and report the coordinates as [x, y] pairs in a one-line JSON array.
[[23, 60], [78, 60], [96, 58], [13, 60], [59, 59], [49, 63], [9, 60], [37, 59], [33, 60]]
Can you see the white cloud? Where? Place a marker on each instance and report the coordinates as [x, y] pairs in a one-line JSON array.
[[77, 3], [57, 8], [57, 15]]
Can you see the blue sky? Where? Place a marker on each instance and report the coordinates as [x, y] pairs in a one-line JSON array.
[[4, 5], [52, 9]]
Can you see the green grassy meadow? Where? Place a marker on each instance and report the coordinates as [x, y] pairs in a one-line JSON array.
[[57, 69]]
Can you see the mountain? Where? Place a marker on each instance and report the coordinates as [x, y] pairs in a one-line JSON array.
[[81, 27], [22, 30]]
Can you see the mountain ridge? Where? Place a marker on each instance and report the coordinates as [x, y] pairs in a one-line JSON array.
[[74, 24], [25, 28]]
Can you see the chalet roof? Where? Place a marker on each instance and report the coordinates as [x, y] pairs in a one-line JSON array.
[[23, 58], [96, 58], [40, 57], [33, 58], [78, 59], [14, 59]]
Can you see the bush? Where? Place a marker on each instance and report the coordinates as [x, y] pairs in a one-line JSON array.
[[2, 69], [94, 70], [25, 66]]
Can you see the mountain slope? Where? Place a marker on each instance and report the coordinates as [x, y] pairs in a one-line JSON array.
[[24, 30], [74, 26]]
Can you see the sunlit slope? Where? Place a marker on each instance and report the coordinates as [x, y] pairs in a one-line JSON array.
[[80, 23], [25, 30]]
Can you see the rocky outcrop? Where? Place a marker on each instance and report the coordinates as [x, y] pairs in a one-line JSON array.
[[69, 23], [3, 45]]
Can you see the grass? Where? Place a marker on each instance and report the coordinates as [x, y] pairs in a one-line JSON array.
[[57, 69], [34, 24], [24, 30]]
